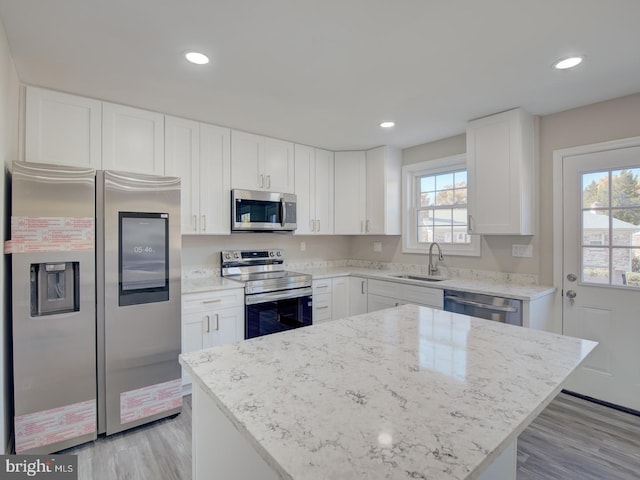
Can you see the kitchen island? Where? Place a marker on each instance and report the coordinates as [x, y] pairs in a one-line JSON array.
[[409, 392]]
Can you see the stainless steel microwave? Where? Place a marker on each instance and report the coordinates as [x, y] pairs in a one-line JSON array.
[[257, 211]]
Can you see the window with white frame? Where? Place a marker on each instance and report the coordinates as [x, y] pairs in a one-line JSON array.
[[435, 207]]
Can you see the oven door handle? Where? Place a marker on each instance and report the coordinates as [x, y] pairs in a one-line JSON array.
[[279, 295]]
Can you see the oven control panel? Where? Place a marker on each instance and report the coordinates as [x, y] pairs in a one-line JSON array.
[[251, 256]]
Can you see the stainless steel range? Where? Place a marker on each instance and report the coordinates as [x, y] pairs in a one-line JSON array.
[[275, 299]]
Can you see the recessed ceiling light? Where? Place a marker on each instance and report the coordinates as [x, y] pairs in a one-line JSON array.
[[197, 58], [566, 63], [387, 124]]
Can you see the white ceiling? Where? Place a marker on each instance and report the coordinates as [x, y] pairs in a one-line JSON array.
[[327, 72]]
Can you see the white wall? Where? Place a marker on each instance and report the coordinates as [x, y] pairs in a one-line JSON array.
[[9, 95]]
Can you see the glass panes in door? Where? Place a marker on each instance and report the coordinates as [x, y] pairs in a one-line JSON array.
[[610, 227]]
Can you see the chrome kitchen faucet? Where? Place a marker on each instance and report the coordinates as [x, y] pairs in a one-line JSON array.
[[433, 268]]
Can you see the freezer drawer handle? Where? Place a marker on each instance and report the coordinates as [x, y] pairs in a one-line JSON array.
[[217, 300], [487, 306]]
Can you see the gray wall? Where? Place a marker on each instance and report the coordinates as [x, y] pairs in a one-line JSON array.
[[9, 94], [495, 250], [204, 251], [610, 120], [600, 122]]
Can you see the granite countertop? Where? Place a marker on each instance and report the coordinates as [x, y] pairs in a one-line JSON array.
[[484, 286], [407, 392]]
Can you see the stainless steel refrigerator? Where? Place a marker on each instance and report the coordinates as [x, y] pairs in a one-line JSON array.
[[95, 303]]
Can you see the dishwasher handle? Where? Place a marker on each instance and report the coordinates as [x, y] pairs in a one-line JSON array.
[[487, 306]]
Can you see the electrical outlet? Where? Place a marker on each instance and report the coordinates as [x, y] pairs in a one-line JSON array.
[[522, 251], [377, 246], [303, 246]]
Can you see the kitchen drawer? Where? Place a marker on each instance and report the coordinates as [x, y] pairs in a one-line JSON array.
[[432, 297], [321, 307], [385, 289], [379, 302], [197, 302], [321, 286]]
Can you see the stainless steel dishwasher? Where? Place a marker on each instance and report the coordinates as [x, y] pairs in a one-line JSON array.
[[499, 309]]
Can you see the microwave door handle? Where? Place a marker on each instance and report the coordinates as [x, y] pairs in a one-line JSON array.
[[283, 212]]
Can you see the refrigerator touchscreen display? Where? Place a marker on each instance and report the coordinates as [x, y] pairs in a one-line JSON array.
[[144, 258]]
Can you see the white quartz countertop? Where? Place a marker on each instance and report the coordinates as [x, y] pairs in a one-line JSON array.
[[208, 284], [483, 286], [408, 392]]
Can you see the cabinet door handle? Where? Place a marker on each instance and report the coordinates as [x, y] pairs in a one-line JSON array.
[[366, 228], [362, 286], [312, 225], [195, 223], [204, 223], [318, 287], [207, 324], [268, 181], [318, 225], [217, 317], [261, 181], [322, 308], [469, 226], [217, 300]]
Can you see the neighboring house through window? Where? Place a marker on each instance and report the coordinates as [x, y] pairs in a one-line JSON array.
[[435, 207]]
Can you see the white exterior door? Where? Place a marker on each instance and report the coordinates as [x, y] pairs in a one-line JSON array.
[[600, 224]]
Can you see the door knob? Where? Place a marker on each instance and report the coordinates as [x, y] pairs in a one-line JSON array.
[[572, 277], [571, 294]]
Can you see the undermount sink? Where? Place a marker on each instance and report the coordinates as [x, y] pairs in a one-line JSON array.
[[419, 277]]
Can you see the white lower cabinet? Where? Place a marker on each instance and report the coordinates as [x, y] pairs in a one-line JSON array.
[[340, 297], [357, 295], [210, 319], [385, 294], [378, 302], [322, 300], [330, 299]]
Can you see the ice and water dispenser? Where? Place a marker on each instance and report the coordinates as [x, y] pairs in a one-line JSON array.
[[55, 288]]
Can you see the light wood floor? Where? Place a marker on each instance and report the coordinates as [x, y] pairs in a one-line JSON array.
[[571, 439]]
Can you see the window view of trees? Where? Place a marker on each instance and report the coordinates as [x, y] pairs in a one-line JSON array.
[[611, 227], [442, 211]]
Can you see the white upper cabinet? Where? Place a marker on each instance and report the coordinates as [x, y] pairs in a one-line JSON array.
[[215, 179], [501, 174], [350, 193], [199, 154], [182, 159], [384, 166], [132, 139], [62, 129], [314, 190], [367, 192], [261, 163]]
